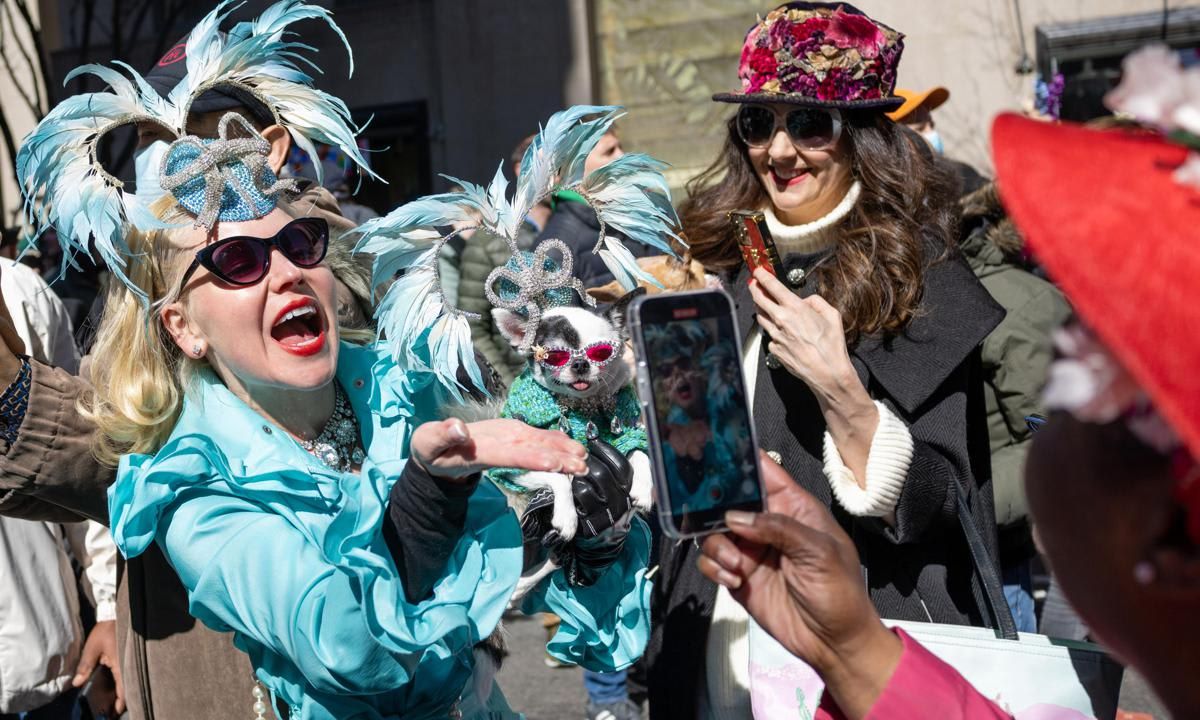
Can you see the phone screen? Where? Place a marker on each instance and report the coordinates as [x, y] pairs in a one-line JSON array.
[[701, 431]]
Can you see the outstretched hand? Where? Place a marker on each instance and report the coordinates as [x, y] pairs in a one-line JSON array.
[[797, 573], [454, 449]]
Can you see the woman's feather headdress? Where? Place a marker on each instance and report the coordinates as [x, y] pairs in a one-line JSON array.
[[66, 188], [629, 195]]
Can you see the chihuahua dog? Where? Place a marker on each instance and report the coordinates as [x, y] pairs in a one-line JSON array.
[[579, 356]]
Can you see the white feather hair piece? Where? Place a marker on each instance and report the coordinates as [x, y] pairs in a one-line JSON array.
[[629, 194], [65, 187]]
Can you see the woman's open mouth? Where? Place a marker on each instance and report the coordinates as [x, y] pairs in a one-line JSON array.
[[787, 178], [683, 392], [299, 328]]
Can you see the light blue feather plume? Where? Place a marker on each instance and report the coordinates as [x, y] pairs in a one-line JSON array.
[[256, 55], [64, 189], [629, 195], [61, 185], [424, 333]]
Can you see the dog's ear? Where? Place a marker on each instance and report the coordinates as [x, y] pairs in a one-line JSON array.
[[616, 313], [510, 324]]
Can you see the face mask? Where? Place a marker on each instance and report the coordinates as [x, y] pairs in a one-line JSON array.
[[147, 163], [935, 141]]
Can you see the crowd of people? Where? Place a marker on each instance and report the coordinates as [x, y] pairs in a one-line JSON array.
[[283, 410]]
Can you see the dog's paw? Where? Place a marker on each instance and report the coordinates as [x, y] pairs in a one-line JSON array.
[[565, 520], [642, 489], [563, 517]]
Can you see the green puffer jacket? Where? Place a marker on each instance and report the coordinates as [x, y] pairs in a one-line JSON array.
[[1017, 354], [484, 253]]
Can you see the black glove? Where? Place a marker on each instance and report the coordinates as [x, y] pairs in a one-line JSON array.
[[604, 508]]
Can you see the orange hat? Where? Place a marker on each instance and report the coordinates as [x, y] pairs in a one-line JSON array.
[[931, 98]]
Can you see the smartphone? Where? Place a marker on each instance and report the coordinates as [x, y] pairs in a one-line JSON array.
[[755, 241], [703, 447]]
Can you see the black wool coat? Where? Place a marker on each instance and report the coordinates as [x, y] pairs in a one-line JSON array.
[[921, 570]]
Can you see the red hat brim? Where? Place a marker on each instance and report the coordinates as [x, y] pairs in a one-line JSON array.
[[1102, 212]]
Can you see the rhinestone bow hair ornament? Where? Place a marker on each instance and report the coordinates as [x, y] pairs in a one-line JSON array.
[[66, 188], [535, 281], [629, 194], [227, 178]]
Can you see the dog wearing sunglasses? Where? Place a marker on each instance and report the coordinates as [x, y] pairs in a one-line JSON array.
[[577, 372]]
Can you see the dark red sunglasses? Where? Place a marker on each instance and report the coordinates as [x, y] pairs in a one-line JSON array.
[[596, 353], [244, 260]]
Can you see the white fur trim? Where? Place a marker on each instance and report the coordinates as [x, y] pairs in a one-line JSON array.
[[813, 236], [887, 469]]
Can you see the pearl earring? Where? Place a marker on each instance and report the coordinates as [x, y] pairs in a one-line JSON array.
[[197, 350]]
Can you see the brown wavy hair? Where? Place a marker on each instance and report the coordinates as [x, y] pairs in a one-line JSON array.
[[905, 219]]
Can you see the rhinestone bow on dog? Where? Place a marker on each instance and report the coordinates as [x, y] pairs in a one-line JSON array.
[[226, 178], [533, 282]]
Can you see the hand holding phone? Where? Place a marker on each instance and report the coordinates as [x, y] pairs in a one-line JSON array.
[[703, 446]]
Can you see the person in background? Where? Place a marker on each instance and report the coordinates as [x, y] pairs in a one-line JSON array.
[[477, 262], [839, 352], [44, 655], [575, 223], [916, 114], [1113, 478], [352, 210], [50, 473], [1016, 356]]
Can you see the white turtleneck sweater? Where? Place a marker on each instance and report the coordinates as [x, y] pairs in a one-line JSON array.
[[727, 661]]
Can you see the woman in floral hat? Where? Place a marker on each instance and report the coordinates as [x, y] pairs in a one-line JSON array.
[[861, 360], [1112, 216]]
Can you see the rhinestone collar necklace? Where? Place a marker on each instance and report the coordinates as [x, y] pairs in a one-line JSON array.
[[339, 446]]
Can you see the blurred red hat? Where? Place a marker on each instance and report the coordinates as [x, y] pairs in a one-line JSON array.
[[1105, 214]]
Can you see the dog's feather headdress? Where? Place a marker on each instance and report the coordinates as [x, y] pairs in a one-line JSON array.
[[66, 188], [629, 194]]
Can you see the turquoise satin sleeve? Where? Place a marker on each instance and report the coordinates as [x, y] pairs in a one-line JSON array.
[[604, 627], [312, 596]]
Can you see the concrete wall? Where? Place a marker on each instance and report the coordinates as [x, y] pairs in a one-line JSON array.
[[664, 58]]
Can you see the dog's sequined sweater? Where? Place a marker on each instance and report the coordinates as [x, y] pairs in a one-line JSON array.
[[534, 405]]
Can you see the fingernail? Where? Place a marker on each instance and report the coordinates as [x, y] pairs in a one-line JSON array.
[[1143, 573], [458, 431], [729, 580], [738, 517], [728, 559]]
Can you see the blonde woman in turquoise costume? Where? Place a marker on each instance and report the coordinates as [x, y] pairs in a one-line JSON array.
[[301, 482]]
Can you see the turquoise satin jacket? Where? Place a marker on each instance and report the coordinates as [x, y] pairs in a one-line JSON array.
[[289, 555]]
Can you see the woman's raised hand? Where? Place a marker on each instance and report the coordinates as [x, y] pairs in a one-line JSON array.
[[798, 575], [454, 449], [808, 338], [806, 335]]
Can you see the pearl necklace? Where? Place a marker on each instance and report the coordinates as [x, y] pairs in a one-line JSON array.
[[339, 446]]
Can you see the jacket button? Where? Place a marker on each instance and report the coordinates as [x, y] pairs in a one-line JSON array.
[[774, 455], [267, 429], [795, 277], [359, 382], [773, 362]]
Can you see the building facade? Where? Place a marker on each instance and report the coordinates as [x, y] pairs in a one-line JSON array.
[[450, 86]]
